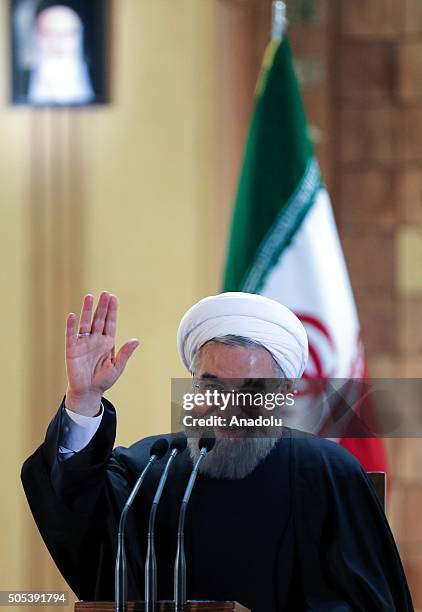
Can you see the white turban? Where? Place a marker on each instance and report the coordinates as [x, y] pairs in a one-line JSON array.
[[245, 314]]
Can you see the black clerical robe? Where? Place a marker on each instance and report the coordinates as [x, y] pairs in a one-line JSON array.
[[340, 552]]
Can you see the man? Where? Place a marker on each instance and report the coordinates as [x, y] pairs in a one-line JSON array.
[[288, 523], [60, 74]]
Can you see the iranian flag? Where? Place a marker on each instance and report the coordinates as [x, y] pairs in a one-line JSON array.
[[284, 242]]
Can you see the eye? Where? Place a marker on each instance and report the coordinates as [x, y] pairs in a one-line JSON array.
[[206, 385]]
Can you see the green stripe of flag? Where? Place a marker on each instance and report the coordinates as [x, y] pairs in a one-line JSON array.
[[279, 177]]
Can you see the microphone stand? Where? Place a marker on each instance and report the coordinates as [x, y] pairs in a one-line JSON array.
[[177, 446], [205, 444], [158, 451]]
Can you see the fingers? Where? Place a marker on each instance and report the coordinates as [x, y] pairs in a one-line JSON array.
[[111, 317], [125, 352], [105, 316], [100, 313], [71, 329], [86, 313]]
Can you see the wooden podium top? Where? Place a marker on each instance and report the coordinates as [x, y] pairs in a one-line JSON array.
[[162, 606]]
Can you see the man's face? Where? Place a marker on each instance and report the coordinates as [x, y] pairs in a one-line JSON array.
[[237, 450], [59, 33], [238, 373]]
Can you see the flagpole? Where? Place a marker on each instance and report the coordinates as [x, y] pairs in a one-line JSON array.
[[278, 21]]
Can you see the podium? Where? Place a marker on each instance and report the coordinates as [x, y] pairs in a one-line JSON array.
[[162, 606]]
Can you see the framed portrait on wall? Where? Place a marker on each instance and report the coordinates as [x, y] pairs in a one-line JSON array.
[[58, 52]]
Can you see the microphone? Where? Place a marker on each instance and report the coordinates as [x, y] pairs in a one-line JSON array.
[[177, 445], [158, 450], [205, 445]]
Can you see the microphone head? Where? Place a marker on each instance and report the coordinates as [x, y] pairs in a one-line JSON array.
[[159, 448], [207, 443], [179, 443]]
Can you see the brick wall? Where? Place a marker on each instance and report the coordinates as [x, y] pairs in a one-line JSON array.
[[360, 68], [374, 76]]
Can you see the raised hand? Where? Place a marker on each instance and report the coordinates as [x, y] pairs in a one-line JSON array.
[[91, 363]]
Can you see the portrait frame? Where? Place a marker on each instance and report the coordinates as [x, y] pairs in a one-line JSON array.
[[41, 38]]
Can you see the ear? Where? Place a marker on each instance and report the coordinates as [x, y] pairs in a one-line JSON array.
[[288, 385]]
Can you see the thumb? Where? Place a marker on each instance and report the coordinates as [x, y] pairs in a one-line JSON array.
[[124, 353]]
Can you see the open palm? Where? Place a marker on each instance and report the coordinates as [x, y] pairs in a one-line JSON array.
[[91, 363]]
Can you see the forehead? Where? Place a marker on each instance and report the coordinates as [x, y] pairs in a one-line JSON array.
[[226, 361]]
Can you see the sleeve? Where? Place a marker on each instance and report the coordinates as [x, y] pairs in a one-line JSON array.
[[350, 559], [77, 431], [73, 508]]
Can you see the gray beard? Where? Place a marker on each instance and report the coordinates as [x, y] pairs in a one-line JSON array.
[[232, 458]]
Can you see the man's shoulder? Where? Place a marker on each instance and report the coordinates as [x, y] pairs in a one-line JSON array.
[[315, 452], [137, 454]]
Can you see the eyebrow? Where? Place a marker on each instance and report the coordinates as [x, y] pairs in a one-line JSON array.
[[252, 383]]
